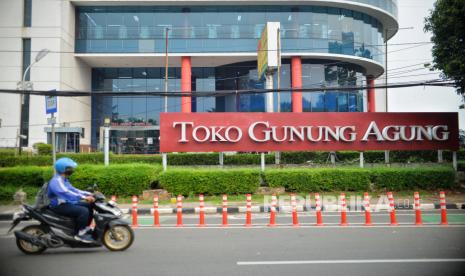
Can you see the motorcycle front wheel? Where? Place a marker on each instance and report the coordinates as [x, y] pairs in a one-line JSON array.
[[27, 247], [118, 237]]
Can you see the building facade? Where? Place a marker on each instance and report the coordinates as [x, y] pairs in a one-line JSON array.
[[120, 46]]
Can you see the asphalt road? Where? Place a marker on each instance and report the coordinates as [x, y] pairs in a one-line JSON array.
[[309, 250]]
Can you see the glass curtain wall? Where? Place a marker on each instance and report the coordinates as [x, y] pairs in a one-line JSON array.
[[316, 29]]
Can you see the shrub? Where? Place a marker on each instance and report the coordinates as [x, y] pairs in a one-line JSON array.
[[123, 180], [25, 176], [247, 159], [7, 152], [7, 191], [44, 149], [317, 180], [186, 159], [461, 166], [413, 178], [189, 159], [314, 180], [210, 182]]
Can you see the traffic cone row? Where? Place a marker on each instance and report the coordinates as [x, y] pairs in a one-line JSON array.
[[295, 221], [366, 206], [201, 211], [179, 211], [343, 210], [156, 215], [134, 211], [416, 199], [392, 209], [319, 217], [248, 212], [273, 211], [442, 203], [225, 210]]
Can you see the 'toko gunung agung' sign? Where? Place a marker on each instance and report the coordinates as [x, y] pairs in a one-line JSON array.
[[214, 132]]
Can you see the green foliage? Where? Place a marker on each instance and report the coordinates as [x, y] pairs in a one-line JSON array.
[[7, 152], [413, 178], [315, 180], [447, 23], [123, 180], [210, 182], [247, 159], [190, 159], [25, 176], [318, 180], [43, 149], [461, 166], [183, 159]]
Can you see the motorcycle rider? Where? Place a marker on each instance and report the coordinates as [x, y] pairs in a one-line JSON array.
[[69, 201]]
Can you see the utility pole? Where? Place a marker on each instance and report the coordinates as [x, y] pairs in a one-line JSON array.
[[277, 157], [164, 155]]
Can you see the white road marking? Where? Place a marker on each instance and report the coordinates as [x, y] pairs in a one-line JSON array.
[[368, 261], [307, 226]]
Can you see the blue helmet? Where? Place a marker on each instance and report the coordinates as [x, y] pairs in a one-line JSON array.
[[63, 164]]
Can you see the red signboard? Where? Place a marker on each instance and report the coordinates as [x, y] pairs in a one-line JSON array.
[[260, 132]]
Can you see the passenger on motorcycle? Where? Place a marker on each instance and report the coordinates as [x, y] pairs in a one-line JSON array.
[[68, 201]]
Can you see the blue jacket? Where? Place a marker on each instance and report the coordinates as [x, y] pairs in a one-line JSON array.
[[60, 191]]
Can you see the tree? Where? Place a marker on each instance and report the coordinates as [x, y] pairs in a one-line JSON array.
[[447, 23]]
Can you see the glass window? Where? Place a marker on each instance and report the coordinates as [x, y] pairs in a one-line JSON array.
[[210, 28], [317, 102], [342, 102], [331, 101]]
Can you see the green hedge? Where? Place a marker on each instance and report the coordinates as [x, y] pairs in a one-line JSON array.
[[188, 159], [129, 179], [123, 180], [210, 182], [461, 166], [44, 149], [413, 178], [327, 179], [318, 180]]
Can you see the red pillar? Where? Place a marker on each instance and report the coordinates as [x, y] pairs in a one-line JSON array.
[[186, 73], [296, 65], [371, 94]]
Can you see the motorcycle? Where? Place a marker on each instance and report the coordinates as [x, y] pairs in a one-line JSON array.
[[56, 231]]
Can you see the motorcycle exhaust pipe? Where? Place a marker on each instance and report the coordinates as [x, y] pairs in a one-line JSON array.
[[29, 238]]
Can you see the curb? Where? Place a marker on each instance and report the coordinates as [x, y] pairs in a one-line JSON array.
[[266, 209]]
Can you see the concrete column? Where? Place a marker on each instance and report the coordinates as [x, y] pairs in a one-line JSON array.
[[186, 85], [296, 67]]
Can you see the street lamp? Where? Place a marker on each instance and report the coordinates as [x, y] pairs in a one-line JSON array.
[[24, 86]]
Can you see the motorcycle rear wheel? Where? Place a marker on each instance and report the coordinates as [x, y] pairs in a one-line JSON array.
[[27, 247], [118, 237]]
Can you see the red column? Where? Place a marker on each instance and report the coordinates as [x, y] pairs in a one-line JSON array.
[[371, 94], [186, 73], [296, 65]]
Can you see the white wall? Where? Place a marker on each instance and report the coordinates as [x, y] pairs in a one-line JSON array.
[[10, 68], [52, 28]]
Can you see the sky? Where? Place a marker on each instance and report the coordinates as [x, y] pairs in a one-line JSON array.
[[417, 99]]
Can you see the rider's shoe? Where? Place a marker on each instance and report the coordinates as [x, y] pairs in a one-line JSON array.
[[89, 230], [86, 238]]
